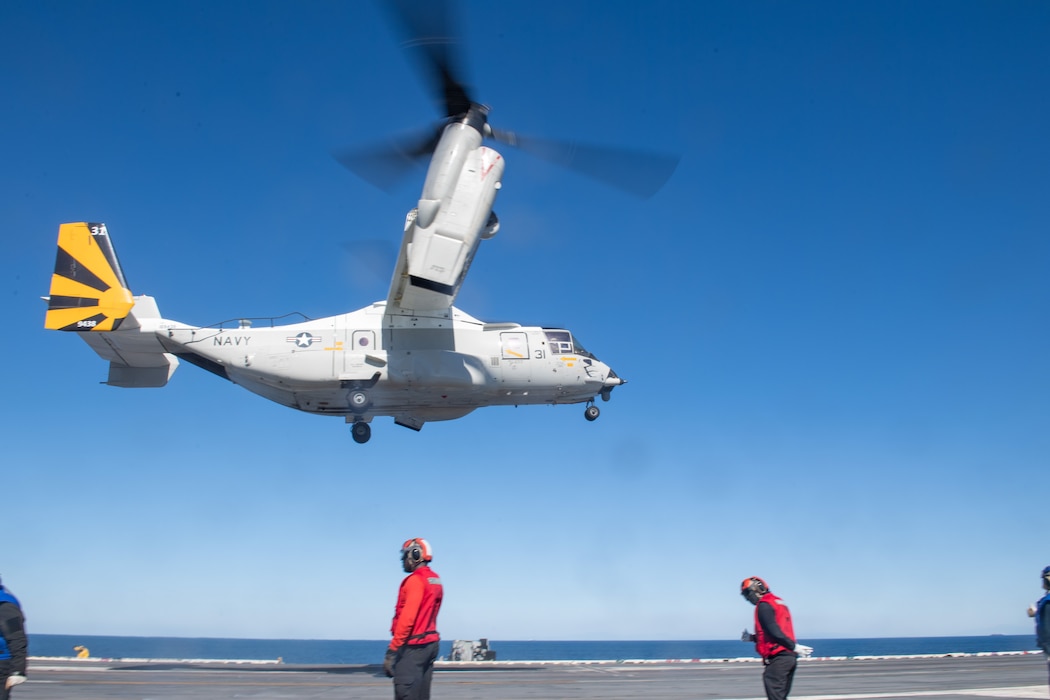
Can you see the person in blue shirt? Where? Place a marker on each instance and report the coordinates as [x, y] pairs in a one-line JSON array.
[[12, 643], [1041, 612]]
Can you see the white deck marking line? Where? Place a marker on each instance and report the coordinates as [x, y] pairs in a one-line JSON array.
[[1039, 692]]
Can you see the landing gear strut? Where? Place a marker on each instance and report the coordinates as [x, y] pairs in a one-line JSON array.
[[591, 412], [361, 431]]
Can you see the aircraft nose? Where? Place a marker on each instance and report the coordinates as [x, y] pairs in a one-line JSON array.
[[613, 379]]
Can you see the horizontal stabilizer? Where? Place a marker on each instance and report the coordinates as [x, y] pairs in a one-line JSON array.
[[136, 357], [140, 377]]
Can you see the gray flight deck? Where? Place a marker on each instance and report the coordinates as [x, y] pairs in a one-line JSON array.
[[964, 677]]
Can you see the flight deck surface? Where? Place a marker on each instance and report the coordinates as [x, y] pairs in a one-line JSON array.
[[1022, 676]]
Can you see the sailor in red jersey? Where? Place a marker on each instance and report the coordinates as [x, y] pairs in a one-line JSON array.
[[774, 638], [414, 647]]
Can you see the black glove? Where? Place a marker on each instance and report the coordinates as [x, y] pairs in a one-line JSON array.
[[388, 663]]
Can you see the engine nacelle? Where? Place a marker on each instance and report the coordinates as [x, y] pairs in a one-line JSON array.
[[438, 255]]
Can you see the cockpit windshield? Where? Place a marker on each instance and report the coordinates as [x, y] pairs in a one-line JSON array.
[[562, 343], [580, 350]]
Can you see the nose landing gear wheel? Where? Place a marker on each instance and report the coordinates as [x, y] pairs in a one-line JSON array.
[[591, 412], [361, 432]]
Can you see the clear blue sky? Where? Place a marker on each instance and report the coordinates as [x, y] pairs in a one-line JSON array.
[[833, 320]]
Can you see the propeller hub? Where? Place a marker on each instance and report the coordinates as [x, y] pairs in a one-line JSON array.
[[477, 118]]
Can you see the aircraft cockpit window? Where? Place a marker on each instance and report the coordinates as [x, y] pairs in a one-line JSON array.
[[559, 342], [580, 350], [562, 343]]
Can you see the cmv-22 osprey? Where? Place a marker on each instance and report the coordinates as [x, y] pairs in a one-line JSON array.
[[414, 357]]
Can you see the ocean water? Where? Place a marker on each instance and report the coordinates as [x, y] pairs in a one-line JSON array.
[[307, 651]]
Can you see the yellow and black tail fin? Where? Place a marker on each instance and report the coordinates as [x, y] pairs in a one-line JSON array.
[[88, 290]]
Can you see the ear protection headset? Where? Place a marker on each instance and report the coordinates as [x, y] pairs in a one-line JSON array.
[[416, 550], [753, 586], [755, 583]]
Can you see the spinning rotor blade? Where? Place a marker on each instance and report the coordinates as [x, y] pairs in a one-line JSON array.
[[386, 164], [640, 173], [429, 29]]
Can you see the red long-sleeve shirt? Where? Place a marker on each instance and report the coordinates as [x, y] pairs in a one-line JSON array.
[[418, 603]]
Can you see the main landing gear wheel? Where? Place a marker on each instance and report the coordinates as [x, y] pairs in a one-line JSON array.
[[359, 400], [361, 432], [591, 412]]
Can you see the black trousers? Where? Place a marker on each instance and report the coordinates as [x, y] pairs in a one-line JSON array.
[[414, 670], [5, 671], [778, 675]]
